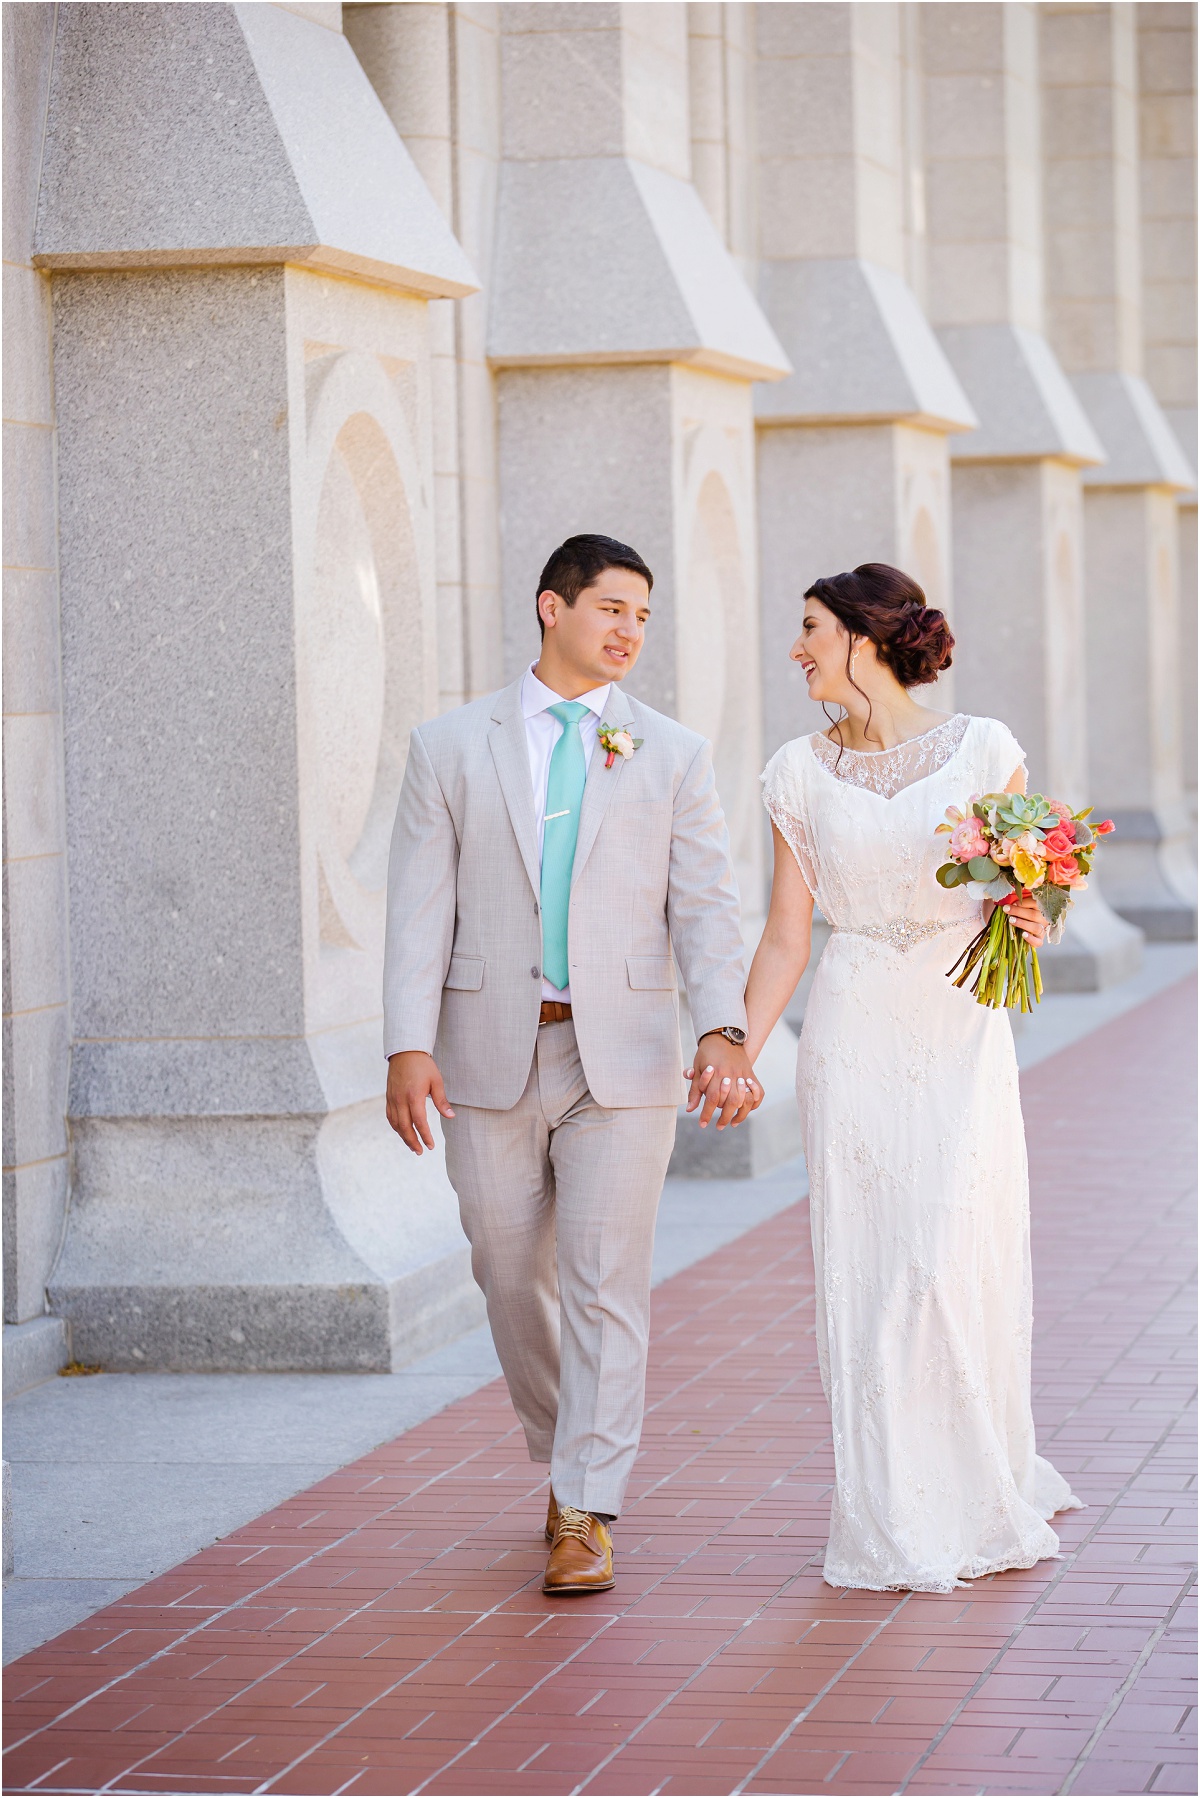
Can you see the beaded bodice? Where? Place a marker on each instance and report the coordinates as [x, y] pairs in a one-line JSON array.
[[889, 771], [863, 830]]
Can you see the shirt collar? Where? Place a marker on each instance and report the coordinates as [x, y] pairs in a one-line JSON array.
[[537, 697]]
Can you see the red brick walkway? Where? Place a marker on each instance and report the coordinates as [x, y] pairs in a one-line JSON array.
[[384, 1632]]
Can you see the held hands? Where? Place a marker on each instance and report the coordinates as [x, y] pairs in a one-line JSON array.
[[412, 1078], [1026, 916], [723, 1077]]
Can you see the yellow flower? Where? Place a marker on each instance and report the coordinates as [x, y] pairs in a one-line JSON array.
[[1029, 872]]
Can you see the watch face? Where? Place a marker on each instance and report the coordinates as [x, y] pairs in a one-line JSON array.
[[734, 1034]]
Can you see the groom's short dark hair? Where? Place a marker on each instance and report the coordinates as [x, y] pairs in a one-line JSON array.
[[579, 561]]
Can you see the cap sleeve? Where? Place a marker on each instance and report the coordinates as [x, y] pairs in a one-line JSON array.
[[787, 805], [1005, 756]]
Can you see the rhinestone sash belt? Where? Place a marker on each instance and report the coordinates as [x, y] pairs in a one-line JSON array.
[[902, 933]]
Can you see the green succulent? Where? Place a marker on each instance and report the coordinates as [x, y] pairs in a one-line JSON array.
[[1020, 814]]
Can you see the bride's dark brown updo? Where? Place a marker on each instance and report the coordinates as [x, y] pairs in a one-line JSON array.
[[879, 602]]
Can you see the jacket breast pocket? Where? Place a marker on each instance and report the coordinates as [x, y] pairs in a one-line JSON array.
[[465, 974], [650, 973]]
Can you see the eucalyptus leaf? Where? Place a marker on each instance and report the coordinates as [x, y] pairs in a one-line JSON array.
[[982, 867], [951, 874]]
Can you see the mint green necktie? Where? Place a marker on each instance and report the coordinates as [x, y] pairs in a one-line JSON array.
[[564, 795]]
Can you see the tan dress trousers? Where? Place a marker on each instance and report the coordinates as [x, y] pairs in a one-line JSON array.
[[558, 1198]]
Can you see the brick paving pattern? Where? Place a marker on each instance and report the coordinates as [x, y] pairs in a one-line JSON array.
[[385, 1632]]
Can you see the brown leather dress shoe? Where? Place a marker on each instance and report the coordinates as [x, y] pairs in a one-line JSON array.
[[581, 1559], [551, 1516]]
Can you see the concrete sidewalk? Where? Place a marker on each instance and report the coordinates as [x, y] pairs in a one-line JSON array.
[[118, 1477]]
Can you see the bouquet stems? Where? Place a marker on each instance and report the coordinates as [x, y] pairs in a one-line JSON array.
[[1004, 965]]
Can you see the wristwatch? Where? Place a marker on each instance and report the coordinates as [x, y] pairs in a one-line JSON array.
[[730, 1032]]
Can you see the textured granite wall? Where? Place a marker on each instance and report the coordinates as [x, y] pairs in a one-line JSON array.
[[346, 331], [36, 982]]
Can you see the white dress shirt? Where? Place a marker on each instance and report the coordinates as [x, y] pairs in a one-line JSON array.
[[541, 734]]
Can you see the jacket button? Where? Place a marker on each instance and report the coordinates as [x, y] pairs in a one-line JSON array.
[[535, 972]]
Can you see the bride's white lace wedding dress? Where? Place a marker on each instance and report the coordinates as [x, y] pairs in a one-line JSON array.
[[919, 1189]]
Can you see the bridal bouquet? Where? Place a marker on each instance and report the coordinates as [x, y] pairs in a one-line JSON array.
[[1003, 847]]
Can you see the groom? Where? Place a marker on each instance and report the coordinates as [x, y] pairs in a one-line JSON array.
[[554, 844]]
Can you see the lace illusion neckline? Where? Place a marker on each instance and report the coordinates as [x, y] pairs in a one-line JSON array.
[[889, 771]]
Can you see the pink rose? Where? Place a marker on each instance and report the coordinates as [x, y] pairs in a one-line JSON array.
[[1065, 873], [967, 840]]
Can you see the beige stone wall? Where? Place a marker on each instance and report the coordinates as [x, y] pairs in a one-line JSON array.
[[1167, 133], [766, 289], [721, 69], [436, 69], [36, 986], [829, 99], [1166, 48], [982, 157], [1091, 185]]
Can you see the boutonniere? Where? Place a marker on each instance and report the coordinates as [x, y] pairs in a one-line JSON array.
[[616, 741]]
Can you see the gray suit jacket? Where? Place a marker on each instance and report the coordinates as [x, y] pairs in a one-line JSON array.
[[462, 966]]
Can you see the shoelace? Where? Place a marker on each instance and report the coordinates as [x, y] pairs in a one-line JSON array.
[[573, 1523]]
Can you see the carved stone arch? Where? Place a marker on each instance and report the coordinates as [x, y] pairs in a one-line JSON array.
[[365, 633], [717, 634]]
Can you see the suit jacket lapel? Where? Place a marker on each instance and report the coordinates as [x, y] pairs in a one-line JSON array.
[[510, 752], [601, 782]]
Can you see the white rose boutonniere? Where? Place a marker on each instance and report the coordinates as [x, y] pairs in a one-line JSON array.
[[616, 742]]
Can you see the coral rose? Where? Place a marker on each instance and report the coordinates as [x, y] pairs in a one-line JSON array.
[[1057, 843], [1066, 873]]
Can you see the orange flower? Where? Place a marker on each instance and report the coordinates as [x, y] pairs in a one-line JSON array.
[[1065, 872]]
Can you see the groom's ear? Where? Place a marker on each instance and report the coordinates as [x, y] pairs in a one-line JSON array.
[[548, 603]]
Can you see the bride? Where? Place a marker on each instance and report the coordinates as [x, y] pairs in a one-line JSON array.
[[910, 1109]]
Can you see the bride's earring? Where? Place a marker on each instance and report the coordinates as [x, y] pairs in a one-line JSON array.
[[854, 658]]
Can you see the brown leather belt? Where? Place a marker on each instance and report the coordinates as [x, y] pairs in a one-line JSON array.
[[554, 1012]]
